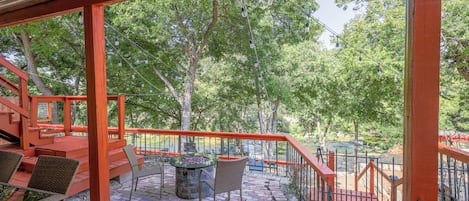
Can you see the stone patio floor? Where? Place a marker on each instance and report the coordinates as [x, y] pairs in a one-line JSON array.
[[255, 187]]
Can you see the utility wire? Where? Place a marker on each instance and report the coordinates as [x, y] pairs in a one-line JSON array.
[[135, 44], [132, 66]]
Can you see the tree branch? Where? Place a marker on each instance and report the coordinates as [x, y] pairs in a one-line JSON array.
[[168, 85], [209, 28]]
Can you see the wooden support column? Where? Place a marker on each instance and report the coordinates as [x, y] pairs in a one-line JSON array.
[[33, 112], [23, 101], [421, 100], [121, 116], [67, 116], [97, 102]]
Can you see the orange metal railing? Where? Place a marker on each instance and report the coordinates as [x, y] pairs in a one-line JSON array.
[[372, 168], [313, 179], [453, 173]]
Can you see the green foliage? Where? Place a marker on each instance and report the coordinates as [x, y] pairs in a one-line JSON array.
[[454, 69], [319, 92]]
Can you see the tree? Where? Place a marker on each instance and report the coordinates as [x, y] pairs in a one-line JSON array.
[[455, 20], [52, 53], [184, 28], [372, 57]]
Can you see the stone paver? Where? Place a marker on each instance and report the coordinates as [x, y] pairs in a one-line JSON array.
[[255, 187]]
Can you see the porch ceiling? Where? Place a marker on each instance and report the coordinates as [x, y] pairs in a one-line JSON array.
[[12, 5], [13, 12]]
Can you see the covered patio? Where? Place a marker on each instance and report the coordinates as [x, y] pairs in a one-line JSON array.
[[420, 178]]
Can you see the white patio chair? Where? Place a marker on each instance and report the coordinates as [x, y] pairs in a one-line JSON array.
[[143, 170]]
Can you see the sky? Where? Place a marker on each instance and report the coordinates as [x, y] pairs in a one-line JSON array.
[[332, 16]]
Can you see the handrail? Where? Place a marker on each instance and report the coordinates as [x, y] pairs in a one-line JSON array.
[[322, 169], [67, 127], [14, 107], [372, 167], [9, 85], [72, 98], [452, 172], [457, 154], [20, 89], [13, 68], [22, 106]]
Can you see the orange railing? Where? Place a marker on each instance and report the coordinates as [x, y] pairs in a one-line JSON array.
[[21, 91], [312, 179], [65, 126], [453, 173], [372, 168]]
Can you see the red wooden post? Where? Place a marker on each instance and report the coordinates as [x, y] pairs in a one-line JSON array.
[[97, 102], [121, 116], [393, 192], [372, 177], [23, 101], [331, 163], [67, 116], [33, 112], [421, 98]]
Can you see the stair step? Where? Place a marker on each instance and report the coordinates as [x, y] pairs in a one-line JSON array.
[[8, 126], [29, 162], [81, 180], [73, 147]]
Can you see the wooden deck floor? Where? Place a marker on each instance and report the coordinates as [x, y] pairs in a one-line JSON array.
[[70, 147]]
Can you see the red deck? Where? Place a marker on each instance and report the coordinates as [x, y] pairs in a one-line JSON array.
[[70, 147]]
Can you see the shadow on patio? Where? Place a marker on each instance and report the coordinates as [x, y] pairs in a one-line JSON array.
[[255, 187]]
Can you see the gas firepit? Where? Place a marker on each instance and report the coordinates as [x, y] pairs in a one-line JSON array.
[[187, 175]]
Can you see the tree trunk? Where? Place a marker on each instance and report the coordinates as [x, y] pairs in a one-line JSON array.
[[186, 107], [34, 74], [326, 129], [318, 127], [193, 52], [274, 116], [355, 125], [260, 113]]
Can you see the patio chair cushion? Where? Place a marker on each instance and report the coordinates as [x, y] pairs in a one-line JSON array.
[[10, 162]]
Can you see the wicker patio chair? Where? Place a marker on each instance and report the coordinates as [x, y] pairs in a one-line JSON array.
[[54, 174], [228, 177], [143, 170], [10, 162]]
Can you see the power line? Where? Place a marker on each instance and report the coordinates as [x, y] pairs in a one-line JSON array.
[[135, 44], [344, 42], [132, 66]]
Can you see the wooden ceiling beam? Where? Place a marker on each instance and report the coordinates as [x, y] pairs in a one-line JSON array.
[[11, 5], [46, 10]]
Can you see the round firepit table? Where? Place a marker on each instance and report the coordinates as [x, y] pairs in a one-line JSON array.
[[187, 175]]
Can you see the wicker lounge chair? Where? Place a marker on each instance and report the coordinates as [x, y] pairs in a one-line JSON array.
[[228, 177], [143, 170], [10, 162], [54, 174]]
